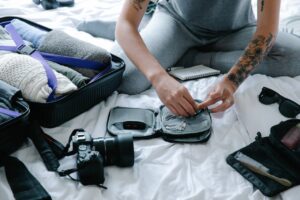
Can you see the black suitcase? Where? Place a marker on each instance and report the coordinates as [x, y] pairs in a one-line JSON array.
[[56, 112]]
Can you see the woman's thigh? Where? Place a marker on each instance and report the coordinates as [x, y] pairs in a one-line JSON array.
[[282, 60]]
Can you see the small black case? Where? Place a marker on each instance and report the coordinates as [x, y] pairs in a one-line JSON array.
[[56, 112], [270, 152], [146, 123]]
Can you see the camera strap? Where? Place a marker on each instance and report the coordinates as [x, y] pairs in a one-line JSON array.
[[61, 152], [36, 135], [22, 183]]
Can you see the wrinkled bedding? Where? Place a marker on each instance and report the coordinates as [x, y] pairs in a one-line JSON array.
[[162, 170]]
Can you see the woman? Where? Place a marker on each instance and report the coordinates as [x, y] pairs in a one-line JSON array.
[[221, 34]]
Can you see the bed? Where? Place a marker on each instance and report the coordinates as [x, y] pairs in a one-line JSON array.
[[162, 170]]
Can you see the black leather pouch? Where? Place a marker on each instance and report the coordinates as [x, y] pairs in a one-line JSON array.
[[269, 163], [145, 123]]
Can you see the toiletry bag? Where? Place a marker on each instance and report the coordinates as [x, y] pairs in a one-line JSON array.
[[60, 110], [267, 163], [146, 123]]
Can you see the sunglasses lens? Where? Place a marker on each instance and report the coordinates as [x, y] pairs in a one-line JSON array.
[[289, 109], [268, 96]]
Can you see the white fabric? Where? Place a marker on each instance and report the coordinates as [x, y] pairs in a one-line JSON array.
[[29, 75], [162, 170]]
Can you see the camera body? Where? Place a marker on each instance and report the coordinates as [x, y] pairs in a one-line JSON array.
[[95, 153]]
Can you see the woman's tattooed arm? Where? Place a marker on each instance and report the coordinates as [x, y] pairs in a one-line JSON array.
[[257, 49], [137, 4], [262, 42]]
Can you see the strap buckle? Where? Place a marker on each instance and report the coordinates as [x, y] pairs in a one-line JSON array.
[[25, 49]]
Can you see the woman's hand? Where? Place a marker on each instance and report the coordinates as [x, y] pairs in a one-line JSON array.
[[223, 91], [175, 96]]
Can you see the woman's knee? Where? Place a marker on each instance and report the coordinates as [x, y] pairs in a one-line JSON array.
[[283, 59], [133, 81]]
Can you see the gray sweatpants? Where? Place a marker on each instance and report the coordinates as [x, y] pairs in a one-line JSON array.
[[174, 44]]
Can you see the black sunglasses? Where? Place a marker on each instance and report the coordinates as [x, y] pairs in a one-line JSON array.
[[287, 107]]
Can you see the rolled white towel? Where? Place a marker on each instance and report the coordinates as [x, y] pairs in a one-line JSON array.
[[29, 75]]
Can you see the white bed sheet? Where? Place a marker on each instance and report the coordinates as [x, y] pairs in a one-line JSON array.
[[162, 170]]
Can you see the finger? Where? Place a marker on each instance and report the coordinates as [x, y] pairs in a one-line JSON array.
[[181, 111], [187, 107], [208, 102], [172, 109], [191, 101], [215, 94], [222, 107], [176, 109]]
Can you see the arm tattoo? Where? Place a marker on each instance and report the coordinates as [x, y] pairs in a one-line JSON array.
[[137, 4], [262, 5], [254, 53]]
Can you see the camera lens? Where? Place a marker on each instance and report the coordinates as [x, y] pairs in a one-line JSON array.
[[116, 150]]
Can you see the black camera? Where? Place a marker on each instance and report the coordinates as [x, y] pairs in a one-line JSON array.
[[95, 153], [52, 4]]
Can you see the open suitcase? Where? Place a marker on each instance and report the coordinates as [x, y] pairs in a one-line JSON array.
[[56, 112]]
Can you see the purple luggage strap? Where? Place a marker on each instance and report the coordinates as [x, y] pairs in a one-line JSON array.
[[9, 112], [41, 56], [23, 49]]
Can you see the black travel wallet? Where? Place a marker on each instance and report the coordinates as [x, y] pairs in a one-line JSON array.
[[146, 123], [281, 162]]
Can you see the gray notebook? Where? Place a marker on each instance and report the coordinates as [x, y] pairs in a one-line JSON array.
[[195, 72]]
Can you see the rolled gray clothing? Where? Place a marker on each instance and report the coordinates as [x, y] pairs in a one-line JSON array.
[[58, 42], [77, 78]]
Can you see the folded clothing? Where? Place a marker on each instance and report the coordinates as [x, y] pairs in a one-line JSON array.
[[29, 75], [5, 39], [58, 42], [28, 32], [77, 78]]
